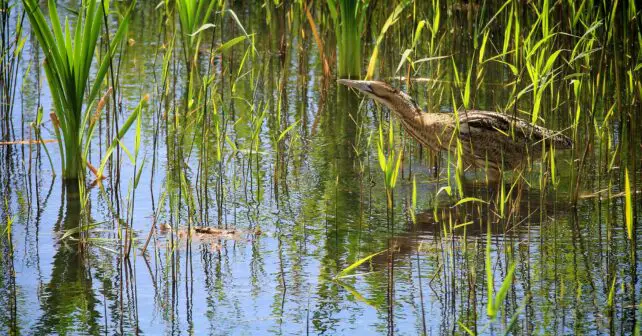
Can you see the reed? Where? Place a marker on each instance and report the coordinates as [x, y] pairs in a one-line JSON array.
[[349, 23], [11, 44], [392, 19], [389, 164], [69, 55], [193, 18], [628, 205]]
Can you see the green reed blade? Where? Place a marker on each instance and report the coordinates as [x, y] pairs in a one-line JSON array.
[[121, 133], [356, 264], [490, 306], [394, 16], [628, 204]]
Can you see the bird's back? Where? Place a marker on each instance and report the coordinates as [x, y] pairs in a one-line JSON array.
[[495, 139]]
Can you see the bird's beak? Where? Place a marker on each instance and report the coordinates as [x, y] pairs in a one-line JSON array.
[[363, 86]]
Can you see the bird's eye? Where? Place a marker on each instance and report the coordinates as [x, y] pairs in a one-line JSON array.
[[370, 88]]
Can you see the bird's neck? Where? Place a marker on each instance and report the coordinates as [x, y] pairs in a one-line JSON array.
[[430, 129], [411, 114], [405, 110]]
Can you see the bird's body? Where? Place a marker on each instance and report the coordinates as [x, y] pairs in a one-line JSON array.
[[487, 139]]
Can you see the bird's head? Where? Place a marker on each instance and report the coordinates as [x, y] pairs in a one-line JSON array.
[[383, 93]]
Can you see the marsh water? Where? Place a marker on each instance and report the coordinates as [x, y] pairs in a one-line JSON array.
[[285, 163]]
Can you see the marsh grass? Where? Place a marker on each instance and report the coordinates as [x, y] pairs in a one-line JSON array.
[[539, 73], [390, 163], [193, 18], [11, 45], [392, 19], [348, 18], [69, 55]]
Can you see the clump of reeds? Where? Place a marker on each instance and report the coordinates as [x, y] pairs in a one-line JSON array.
[[389, 165], [69, 55], [11, 45], [193, 16], [348, 26]]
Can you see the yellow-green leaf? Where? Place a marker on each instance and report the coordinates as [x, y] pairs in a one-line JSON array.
[[628, 205], [356, 264]]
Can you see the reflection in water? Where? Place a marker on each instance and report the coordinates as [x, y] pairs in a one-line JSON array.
[[69, 303]]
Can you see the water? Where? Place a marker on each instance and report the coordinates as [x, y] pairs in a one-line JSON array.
[[307, 205]]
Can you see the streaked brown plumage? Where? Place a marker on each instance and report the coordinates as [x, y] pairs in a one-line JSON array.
[[488, 139]]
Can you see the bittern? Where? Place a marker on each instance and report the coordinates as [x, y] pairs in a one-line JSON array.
[[489, 140]]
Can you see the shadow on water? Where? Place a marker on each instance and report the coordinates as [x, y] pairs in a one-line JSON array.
[[526, 212]]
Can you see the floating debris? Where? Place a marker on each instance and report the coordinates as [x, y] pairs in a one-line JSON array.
[[209, 232]]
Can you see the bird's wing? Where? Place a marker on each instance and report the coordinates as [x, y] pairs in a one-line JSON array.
[[485, 122], [476, 122]]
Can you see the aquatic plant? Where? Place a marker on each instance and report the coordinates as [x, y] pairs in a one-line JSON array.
[[348, 22], [628, 205], [388, 164], [193, 16], [11, 44], [69, 55], [495, 301], [392, 19]]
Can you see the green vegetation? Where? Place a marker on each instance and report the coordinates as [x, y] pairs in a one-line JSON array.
[[12, 42], [69, 55], [348, 18]]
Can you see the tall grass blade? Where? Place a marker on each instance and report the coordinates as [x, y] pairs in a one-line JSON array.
[[394, 16], [628, 204], [356, 264]]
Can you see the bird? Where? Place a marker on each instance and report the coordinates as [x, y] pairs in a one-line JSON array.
[[491, 140]]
